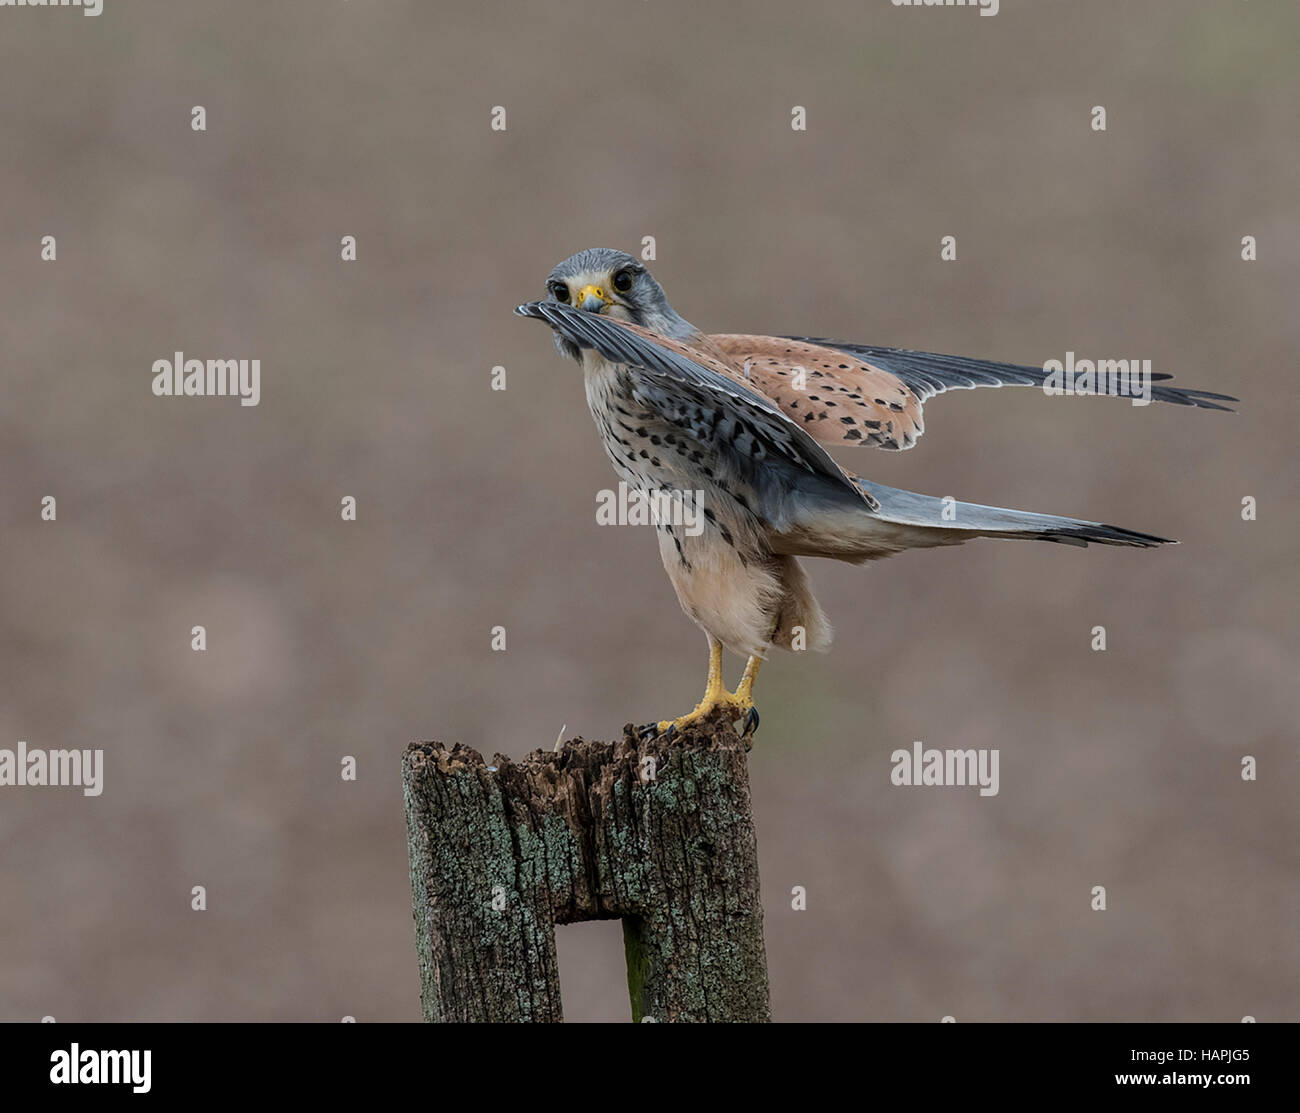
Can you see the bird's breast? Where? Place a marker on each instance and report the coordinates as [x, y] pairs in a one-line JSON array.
[[665, 459], [631, 433]]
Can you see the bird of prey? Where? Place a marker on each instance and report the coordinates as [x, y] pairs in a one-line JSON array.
[[739, 424]]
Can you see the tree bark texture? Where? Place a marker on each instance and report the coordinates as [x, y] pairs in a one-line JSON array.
[[657, 833]]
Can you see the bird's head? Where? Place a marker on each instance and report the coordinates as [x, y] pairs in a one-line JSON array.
[[602, 280]]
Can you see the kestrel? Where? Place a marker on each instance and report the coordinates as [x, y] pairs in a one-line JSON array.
[[739, 423]]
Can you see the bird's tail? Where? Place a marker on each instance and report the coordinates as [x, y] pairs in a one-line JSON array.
[[922, 521]]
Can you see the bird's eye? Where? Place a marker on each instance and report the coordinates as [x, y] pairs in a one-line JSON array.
[[559, 291], [623, 281]]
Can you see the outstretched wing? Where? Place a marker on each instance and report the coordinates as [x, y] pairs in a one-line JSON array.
[[928, 374], [836, 397], [694, 388], [872, 395]]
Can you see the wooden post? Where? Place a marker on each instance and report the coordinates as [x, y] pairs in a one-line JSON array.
[[657, 833]]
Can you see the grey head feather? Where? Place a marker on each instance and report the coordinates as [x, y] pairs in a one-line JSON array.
[[645, 303]]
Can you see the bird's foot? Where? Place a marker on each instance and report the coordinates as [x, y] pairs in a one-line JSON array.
[[722, 704]]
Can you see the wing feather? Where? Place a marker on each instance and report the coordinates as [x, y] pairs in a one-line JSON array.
[[838, 398], [679, 377], [861, 394], [929, 373]]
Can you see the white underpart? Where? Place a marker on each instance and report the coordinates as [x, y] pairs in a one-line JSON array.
[[738, 590]]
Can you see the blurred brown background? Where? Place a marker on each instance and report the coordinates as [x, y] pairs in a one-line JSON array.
[[478, 508]]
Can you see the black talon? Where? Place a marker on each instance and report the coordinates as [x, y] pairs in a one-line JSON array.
[[751, 722], [647, 731], [668, 734]]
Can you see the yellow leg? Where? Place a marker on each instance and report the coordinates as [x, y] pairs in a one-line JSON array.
[[745, 692], [716, 696], [715, 691]]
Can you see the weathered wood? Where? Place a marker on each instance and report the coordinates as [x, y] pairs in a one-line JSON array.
[[657, 833]]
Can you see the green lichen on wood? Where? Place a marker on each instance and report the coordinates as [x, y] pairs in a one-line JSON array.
[[637, 966], [656, 833]]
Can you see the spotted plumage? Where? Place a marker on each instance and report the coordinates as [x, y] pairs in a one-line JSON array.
[[838, 398], [740, 424]]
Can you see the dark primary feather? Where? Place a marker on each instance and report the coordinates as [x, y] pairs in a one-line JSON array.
[[929, 373]]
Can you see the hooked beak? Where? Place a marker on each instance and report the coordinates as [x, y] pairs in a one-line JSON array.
[[593, 299]]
